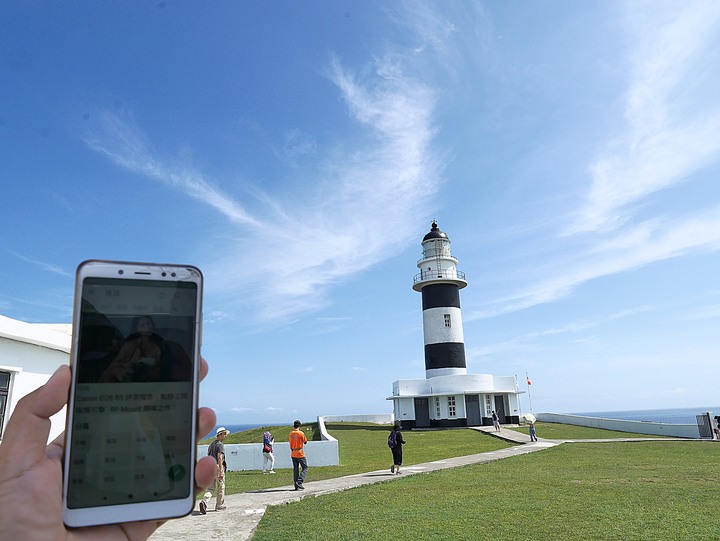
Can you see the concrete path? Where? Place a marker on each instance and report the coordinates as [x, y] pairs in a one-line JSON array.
[[244, 511]]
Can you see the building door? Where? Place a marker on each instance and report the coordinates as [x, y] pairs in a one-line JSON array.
[[472, 409], [500, 407], [422, 413]]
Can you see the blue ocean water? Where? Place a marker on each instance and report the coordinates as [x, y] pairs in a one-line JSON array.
[[676, 416], [234, 428]]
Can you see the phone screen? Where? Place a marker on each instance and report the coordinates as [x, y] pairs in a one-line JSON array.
[[132, 417]]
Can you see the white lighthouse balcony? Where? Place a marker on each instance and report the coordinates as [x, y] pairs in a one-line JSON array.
[[439, 276]]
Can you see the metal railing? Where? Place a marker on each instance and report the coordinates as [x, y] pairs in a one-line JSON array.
[[439, 274]]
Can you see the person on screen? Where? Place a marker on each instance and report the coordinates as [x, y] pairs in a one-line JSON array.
[[147, 356]]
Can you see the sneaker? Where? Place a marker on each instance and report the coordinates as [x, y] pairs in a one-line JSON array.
[[392, 468], [265, 472], [220, 508], [272, 471], [299, 487], [203, 507]]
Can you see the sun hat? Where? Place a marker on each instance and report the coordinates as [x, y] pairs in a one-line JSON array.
[[221, 430]]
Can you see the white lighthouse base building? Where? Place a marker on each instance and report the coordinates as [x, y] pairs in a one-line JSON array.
[[455, 400]]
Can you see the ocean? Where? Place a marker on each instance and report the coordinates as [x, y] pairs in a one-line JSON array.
[[235, 428], [677, 416]]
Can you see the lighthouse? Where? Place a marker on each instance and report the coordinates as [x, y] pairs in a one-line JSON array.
[[440, 283], [448, 396]]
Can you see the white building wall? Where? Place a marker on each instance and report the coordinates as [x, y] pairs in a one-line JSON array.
[[404, 409], [32, 353]]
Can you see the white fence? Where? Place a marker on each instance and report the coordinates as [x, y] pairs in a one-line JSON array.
[[638, 427], [248, 456]]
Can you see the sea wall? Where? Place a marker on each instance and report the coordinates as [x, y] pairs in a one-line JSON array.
[[637, 427], [248, 456]]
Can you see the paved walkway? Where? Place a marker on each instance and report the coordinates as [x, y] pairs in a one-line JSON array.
[[245, 510]]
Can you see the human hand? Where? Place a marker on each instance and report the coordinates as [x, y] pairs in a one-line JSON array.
[[31, 475]]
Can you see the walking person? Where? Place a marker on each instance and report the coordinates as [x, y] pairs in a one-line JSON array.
[[267, 451], [217, 450], [533, 435], [297, 440], [395, 442], [496, 421]]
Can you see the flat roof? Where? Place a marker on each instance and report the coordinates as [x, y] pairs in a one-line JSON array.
[[49, 335]]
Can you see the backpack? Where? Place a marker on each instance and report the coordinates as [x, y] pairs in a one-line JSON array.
[[392, 439]]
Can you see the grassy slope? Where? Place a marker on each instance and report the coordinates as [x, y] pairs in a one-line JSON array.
[[363, 447], [556, 431], [618, 491]]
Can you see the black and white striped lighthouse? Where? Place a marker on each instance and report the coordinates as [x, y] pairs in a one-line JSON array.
[[440, 283]]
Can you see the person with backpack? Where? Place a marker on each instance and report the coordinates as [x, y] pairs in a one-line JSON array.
[[395, 442], [217, 451]]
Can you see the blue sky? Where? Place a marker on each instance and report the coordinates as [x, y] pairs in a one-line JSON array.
[[298, 153]]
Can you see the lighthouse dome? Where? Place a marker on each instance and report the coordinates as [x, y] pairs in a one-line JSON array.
[[435, 233]]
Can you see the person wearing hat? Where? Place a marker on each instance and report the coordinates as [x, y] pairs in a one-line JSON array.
[[217, 450], [297, 440]]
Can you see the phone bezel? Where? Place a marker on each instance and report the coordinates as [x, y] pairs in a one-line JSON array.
[[158, 510]]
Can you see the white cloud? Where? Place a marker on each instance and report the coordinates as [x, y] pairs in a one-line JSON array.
[[671, 127], [300, 248], [630, 249], [49, 267]]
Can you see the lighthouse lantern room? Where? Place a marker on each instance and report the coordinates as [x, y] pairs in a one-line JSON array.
[[448, 396]]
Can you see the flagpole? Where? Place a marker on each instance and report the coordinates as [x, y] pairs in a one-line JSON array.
[[527, 380]]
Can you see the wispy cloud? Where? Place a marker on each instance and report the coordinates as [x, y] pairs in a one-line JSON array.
[[527, 342], [49, 267], [671, 126], [670, 132], [125, 144], [628, 250], [301, 248]]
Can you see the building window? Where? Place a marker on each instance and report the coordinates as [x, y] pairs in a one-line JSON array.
[[437, 408], [4, 390], [488, 405], [448, 324], [451, 406]]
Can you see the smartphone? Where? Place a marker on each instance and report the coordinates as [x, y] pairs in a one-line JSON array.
[[130, 436]]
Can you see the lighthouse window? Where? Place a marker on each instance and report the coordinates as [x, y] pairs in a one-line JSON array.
[[437, 407], [447, 321], [451, 406]]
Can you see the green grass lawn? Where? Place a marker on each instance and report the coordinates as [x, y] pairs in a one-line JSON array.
[[362, 448], [557, 431], [578, 491]]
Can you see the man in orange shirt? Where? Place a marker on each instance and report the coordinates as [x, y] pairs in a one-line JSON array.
[[297, 439]]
